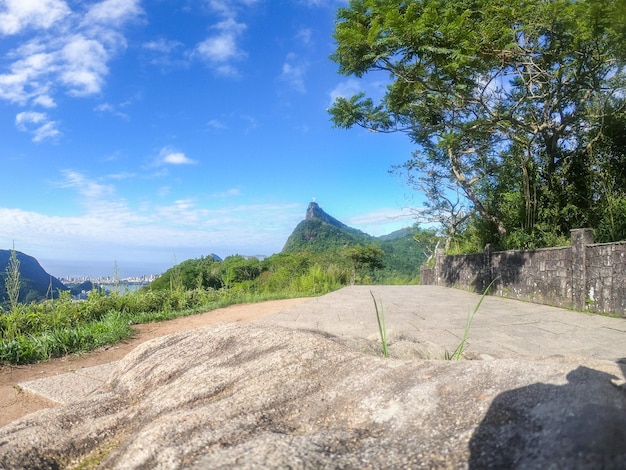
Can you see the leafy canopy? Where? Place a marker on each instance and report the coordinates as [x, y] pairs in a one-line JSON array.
[[497, 94]]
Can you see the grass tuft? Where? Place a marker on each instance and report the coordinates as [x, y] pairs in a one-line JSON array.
[[456, 355], [382, 328]]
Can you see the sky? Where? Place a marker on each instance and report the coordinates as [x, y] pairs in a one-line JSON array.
[[139, 134]]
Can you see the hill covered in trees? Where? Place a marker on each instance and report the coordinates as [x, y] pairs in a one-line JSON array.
[[400, 256], [320, 255], [35, 283]]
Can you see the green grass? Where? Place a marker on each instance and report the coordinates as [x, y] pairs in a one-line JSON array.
[[382, 328], [456, 355], [40, 331]]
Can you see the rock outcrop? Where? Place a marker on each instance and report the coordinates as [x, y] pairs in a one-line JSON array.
[[250, 396]]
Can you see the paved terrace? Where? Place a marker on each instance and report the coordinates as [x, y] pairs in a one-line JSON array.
[[426, 321]]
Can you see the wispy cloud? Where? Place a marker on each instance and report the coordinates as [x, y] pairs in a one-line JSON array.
[[216, 124], [380, 221], [18, 15], [65, 51], [232, 192], [169, 156], [305, 36], [112, 13], [345, 90], [182, 226], [230, 8], [108, 108], [86, 187], [220, 50], [37, 124], [164, 53], [293, 73]]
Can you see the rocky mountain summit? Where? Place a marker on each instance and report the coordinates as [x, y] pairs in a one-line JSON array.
[[315, 212]]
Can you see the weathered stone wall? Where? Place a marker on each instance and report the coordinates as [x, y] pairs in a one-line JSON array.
[[584, 276], [606, 278], [542, 276]]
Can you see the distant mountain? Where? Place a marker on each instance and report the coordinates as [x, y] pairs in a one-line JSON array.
[[402, 233], [320, 231], [35, 281]]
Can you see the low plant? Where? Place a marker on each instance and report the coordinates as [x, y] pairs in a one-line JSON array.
[[456, 355], [382, 329]]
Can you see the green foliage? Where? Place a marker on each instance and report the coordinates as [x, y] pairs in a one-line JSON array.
[[456, 355], [516, 107], [382, 328], [318, 236], [203, 272], [12, 279], [35, 283], [37, 331]]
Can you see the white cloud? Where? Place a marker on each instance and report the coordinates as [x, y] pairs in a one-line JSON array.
[[37, 124], [66, 51], [221, 48], [28, 118], [345, 90], [216, 124], [107, 227], [293, 73], [382, 221], [83, 66], [163, 53], [45, 101], [87, 188], [172, 157], [17, 15], [46, 131], [229, 8], [305, 36], [161, 45], [110, 109], [113, 12], [232, 192]]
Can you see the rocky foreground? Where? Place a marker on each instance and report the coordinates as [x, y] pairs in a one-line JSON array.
[[250, 396]]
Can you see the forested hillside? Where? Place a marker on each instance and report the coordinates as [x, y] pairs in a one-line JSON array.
[[35, 283], [320, 255]]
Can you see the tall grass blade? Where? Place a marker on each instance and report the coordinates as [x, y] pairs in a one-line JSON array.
[[382, 328], [456, 355]]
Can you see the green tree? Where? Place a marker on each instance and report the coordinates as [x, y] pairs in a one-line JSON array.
[[365, 257], [488, 90]]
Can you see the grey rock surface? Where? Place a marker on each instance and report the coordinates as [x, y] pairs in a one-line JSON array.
[[259, 396]]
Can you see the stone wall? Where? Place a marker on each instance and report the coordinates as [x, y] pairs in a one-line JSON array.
[[583, 276]]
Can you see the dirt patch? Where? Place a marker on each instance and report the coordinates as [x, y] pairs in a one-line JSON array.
[[15, 403]]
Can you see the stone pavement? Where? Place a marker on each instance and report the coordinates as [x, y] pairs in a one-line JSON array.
[[427, 321]]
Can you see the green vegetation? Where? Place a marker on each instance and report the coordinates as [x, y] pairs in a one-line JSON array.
[[22, 278], [517, 110], [38, 331], [12, 279], [391, 259], [333, 256], [382, 328], [456, 355]]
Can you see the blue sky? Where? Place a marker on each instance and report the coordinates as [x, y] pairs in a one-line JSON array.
[[147, 132]]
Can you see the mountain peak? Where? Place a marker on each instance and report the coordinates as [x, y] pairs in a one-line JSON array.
[[315, 212]]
